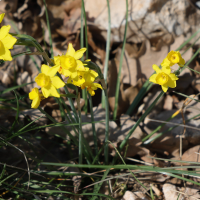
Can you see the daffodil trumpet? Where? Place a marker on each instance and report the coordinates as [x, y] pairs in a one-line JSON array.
[[173, 57], [69, 64]]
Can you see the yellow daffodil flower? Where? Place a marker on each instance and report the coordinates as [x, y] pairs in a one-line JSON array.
[[90, 76], [48, 81], [164, 77], [173, 57], [80, 79], [91, 87], [89, 79], [1, 17], [36, 97], [6, 42], [70, 63]]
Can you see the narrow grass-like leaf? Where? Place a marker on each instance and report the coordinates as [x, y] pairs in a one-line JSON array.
[[131, 167], [25, 127], [21, 54], [151, 193], [17, 114], [14, 87], [184, 95], [128, 169], [145, 141], [3, 171], [65, 192], [98, 186], [137, 123], [73, 87], [1, 181], [157, 129], [138, 98]]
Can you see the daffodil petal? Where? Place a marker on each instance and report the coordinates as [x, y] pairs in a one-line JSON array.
[[1, 17], [92, 93], [164, 88], [166, 63], [5, 54], [171, 83], [70, 50], [4, 31], [80, 66], [57, 82], [173, 77], [153, 78], [57, 60], [35, 102], [182, 62], [166, 70], [66, 72], [45, 69], [156, 68], [73, 74], [90, 76], [53, 70], [46, 92], [34, 93], [9, 41], [98, 85], [83, 86], [78, 54], [54, 92]]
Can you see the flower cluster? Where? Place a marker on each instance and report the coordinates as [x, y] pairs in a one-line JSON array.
[[7, 41], [68, 65], [164, 76]]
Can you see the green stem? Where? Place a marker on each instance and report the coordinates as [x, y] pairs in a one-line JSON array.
[[107, 126], [71, 120], [86, 40], [93, 125], [107, 53], [80, 132], [95, 67], [49, 28], [84, 91], [120, 66]]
